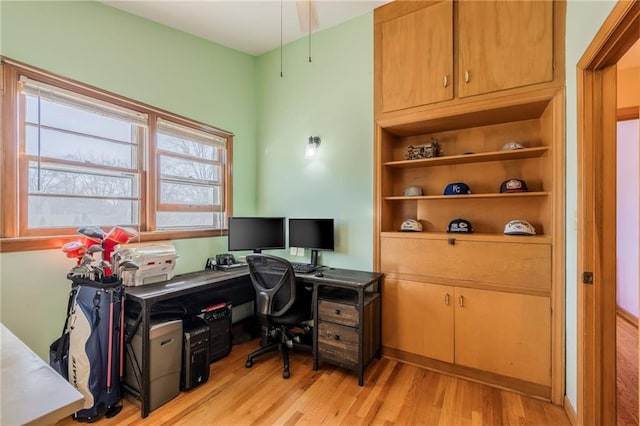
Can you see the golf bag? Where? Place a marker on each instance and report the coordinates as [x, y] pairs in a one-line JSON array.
[[95, 357]]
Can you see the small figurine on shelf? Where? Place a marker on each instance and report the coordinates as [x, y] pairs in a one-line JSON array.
[[427, 150]]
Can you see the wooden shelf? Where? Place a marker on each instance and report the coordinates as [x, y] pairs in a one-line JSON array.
[[471, 158], [468, 196], [533, 239]]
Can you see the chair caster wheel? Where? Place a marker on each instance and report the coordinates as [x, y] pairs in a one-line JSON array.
[[249, 363], [286, 374]]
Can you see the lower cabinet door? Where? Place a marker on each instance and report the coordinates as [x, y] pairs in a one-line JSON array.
[[504, 333], [418, 318]]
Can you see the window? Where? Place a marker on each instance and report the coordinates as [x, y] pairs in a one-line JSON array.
[[74, 155]]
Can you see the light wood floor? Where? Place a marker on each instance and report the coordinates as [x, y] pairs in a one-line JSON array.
[[394, 394], [626, 372]]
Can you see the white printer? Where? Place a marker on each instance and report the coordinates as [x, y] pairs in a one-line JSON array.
[[155, 263]]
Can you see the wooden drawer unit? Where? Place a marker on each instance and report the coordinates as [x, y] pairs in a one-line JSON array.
[[339, 313], [338, 344], [344, 339], [521, 264]]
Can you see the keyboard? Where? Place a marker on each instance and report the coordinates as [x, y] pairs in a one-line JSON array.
[[304, 268]]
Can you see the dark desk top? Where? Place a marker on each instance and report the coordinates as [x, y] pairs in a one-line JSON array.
[[343, 277], [202, 280], [184, 284]]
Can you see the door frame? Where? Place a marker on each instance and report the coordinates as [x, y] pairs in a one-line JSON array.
[[596, 100]]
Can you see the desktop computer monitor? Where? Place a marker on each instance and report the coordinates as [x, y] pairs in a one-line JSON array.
[[313, 234], [256, 233]]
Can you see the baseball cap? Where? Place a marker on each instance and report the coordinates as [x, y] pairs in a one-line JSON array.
[[512, 145], [412, 191], [459, 226], [513, 185], [457, 188], [519, 227], [411, 225]]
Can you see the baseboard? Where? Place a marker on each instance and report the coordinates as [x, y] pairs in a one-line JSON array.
[[529, 389], [627, 316], [571, 413]]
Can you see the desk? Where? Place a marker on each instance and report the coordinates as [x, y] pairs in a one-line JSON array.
[[32, 392], [235, 286]]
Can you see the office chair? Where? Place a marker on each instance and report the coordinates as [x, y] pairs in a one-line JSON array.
[[277, 307]]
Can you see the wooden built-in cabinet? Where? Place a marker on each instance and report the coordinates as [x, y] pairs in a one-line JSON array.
[[420, 27], [492, 46], [507, 334], [484, 305]]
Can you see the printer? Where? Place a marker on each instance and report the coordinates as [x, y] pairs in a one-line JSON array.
[[151, 264]]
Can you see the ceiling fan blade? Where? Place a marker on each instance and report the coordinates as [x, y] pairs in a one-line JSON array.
[[307, 15]]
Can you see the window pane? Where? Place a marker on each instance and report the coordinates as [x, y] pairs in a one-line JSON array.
[[75, 182], [176, 193], [61, 116], [177, 167], [187, 147], [55, 212], [85, 149], [166, 220]]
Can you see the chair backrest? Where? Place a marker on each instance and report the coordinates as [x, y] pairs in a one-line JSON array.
[[274, 280]]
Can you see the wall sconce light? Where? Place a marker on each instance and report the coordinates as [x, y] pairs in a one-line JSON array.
[[312, 146]]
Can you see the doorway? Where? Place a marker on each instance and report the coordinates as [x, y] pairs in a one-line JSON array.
[[597, 128]]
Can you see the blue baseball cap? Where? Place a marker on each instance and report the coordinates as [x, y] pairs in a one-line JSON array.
[[457, 188]]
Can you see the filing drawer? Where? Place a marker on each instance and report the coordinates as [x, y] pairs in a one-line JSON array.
[[339, 313], [338, 344]]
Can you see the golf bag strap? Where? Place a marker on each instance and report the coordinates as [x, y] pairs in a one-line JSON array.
[[59, 349]]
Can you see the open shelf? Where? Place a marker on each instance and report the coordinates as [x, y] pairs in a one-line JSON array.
[[471, 158], [476, 236], [467, 196]]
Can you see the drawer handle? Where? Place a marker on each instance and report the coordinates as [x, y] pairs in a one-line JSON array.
[[336, 336], [337, 311], [451, 241]]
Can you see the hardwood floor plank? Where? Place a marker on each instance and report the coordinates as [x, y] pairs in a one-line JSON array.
[[394, 394], [626, 372]]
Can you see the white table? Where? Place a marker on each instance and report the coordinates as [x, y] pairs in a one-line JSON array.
[[31, 391]]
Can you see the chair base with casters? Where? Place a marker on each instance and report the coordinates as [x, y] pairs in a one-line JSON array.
[[280, 307], [281, 338]]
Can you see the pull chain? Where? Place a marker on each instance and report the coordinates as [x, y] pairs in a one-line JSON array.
[[309, 30], [281, 74]]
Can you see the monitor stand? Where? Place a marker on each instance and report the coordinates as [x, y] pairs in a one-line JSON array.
[[314, 257]]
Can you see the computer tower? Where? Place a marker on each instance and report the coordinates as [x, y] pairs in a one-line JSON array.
[[218, 317], [195, 354], [165, 346]]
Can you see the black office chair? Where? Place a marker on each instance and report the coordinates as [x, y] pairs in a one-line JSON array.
[[278, 308]]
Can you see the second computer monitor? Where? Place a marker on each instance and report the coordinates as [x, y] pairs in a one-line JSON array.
[[313, 234]]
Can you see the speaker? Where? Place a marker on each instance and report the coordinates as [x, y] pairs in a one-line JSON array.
[[218, 317], [195, 354]]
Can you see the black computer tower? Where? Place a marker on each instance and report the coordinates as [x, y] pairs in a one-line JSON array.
[[195, 354], [218, 317]]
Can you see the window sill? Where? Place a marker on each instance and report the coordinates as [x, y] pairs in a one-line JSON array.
[[11, 245]]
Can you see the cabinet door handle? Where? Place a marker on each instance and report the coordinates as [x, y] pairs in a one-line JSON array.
[[446, 81], [446, 299], [336, 336], [337, 311], [467, 76], [461, 301]]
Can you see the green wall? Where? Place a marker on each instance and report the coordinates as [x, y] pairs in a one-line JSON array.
[[147, 62], [331, 97]]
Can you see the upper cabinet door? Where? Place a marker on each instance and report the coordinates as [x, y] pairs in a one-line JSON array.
[[503, 44], [415, 56]]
